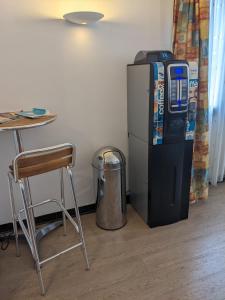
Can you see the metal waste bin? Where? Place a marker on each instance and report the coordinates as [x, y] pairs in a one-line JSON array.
[[110, 188]]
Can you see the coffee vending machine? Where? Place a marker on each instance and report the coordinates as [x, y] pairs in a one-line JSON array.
[[162, 100]]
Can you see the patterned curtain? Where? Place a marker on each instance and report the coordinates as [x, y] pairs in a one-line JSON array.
[[191, 26]]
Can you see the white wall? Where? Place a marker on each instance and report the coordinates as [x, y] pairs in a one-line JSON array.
[[77, 72], [166, 23]]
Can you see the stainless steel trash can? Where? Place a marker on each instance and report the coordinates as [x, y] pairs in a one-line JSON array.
[[109, 166]]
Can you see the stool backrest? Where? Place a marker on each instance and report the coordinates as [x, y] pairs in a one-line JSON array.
[[35, 162]]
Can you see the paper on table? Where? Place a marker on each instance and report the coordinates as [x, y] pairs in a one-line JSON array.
[[8, 116], [4, 120]]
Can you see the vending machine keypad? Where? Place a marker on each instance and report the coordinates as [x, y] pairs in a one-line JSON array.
[[178, 87]]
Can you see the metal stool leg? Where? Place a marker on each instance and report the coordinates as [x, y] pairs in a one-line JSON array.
[[84, 250], [13, 210], [62, 198], [30, 223]]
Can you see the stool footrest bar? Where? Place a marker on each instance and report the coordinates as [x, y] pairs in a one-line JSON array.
[[58, 254], [61, 207]]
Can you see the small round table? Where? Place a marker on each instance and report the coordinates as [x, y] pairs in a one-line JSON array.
[[16, 125]]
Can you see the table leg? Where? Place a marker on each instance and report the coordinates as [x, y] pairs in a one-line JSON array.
[[42, 232], [18, 141], [19, 148]]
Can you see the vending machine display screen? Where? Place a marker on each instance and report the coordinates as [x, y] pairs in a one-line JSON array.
[[179, 71]]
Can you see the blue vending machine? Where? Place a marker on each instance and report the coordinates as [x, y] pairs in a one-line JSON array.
[[162, 100]]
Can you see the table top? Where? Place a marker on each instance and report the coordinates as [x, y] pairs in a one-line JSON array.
[[23, 123]]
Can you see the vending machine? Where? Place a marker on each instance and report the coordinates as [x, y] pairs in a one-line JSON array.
[[162, 100]]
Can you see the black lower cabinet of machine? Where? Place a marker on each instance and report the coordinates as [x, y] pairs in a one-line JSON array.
[[169, 183]]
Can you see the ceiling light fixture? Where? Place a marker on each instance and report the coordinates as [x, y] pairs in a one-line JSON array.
[[83, 17]]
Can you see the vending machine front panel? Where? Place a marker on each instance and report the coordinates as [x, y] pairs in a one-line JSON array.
[[178, 88]]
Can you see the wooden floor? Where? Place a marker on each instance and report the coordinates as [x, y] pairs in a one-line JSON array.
[[181, 261]]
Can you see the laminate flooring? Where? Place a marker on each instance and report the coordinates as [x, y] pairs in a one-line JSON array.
[[183, 261]]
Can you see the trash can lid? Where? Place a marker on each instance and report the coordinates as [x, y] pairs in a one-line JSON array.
[[108, 158]]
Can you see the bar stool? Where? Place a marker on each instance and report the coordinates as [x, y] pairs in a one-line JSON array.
[[36, 162]]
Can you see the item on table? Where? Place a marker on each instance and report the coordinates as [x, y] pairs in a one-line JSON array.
[[34, 113], [7, 117], [4, 120], [39, 111]]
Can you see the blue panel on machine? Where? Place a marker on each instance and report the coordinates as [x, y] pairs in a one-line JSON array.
[[159, 85]]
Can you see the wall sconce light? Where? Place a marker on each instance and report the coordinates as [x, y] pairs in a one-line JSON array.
[[83, 17]]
